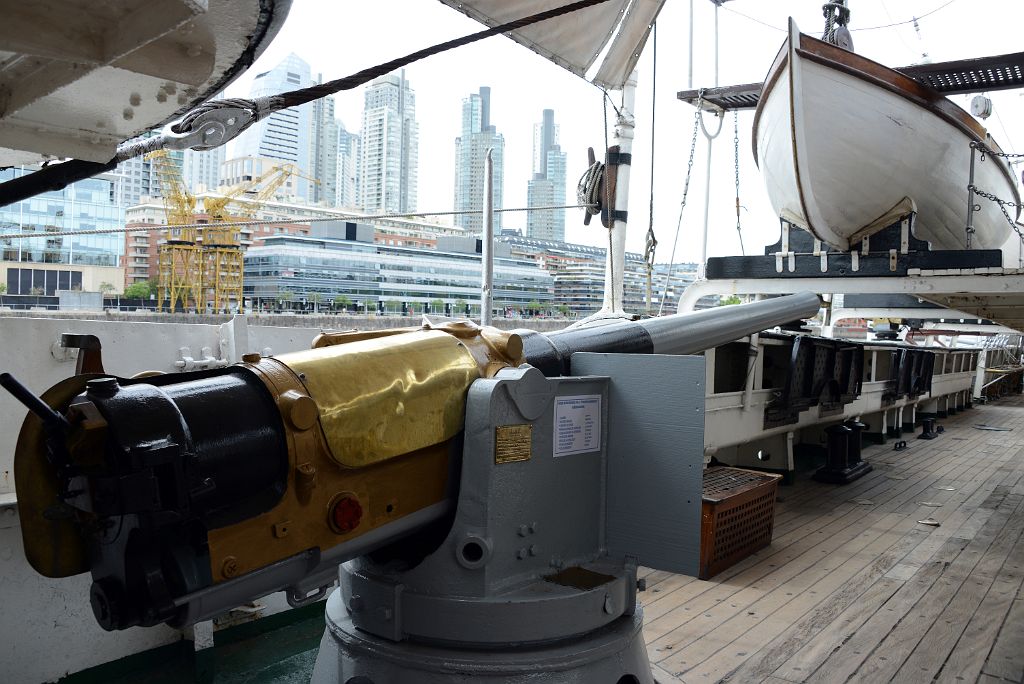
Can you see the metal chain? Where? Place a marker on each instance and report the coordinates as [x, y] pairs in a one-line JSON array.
[[985, 150], [1003, 204], [682, 204], [736, 165]]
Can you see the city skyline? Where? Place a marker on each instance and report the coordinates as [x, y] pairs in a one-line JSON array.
[[364, 172]]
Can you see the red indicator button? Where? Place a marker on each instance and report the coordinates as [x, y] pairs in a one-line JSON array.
[[346, 514]]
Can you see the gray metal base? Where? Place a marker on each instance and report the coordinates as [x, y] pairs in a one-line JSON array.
[[612, 655]]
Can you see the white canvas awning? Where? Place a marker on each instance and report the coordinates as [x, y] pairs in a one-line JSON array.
[[575, 41]]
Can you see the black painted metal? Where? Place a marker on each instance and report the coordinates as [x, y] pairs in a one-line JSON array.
[[550, 353], [823, 372], [876, 262], [183, 454]]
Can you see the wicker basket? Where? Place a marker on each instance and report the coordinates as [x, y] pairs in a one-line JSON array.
[[737, 515]]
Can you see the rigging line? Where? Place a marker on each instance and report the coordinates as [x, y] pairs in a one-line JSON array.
[[753, 19], [272, 222], [303, 95], [195, 130], [866, 28], [908, 21], [1009, 143], [651, 244], [912, 51], [604, 186]]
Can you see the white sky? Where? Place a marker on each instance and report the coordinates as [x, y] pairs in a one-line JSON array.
[[338, 39]]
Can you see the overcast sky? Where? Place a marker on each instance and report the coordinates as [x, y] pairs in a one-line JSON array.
[[338, 39]]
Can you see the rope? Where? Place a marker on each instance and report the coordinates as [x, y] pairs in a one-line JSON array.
[[651, 244], [588, 189], [273, 222], [836, 14], [249, 112], [263, 107], [607, 194]]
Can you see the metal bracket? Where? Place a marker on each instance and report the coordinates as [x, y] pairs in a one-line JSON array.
[[208, 130], [618, 158]]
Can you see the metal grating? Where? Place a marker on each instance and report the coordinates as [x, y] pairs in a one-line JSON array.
[[971, 75], [725, 98], [999, 72], [720, 483]]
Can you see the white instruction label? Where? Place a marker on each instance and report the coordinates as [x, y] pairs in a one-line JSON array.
[[577, 424]]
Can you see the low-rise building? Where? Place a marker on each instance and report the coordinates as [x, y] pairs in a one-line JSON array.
[[343, 260]]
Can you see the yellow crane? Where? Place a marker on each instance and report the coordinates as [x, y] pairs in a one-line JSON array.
[[179, 261], [222, 249]]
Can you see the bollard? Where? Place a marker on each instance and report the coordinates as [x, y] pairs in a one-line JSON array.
[[928, 430], [843, 463]]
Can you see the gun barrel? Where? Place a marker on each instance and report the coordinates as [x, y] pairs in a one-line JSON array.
[[684, 333]]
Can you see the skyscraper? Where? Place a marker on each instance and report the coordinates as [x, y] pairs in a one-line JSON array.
[[389, 148], [201, 170], [478, 135], [547, 188], [347, 185], [285, 134], [324, 151]]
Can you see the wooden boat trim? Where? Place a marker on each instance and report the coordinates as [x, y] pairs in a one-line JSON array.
[[906, 87]]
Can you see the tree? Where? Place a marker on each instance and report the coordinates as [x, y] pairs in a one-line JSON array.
[[342, 302], [534, 307], [563, 309], [285, 296], [437, 305], [37, 291], [137, 291], [3, 288], [728, 301], [460, 307], [106, 288], [316, 298]]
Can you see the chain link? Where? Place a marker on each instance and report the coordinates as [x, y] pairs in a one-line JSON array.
[[736, 165], [985, 150], [1003, 204], [682, 203]]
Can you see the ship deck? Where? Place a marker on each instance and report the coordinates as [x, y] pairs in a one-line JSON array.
[[854, 588]]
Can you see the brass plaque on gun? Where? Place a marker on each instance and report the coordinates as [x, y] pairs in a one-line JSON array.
[[513, 443]]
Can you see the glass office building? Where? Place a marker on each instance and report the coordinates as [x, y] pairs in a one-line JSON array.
[[377, 276], [91, 204]]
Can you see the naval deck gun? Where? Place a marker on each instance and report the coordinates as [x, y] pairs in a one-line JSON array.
[[487, 494]]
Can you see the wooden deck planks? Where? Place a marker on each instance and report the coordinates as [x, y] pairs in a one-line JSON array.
[[1005, 660], [832, 590], [967, 659], [838, 595]]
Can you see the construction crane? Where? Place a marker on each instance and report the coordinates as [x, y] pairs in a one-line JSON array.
[[221, 248], [179, 260]]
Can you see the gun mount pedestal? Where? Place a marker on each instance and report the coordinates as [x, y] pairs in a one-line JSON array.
[[565, 489], [610, 655]]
